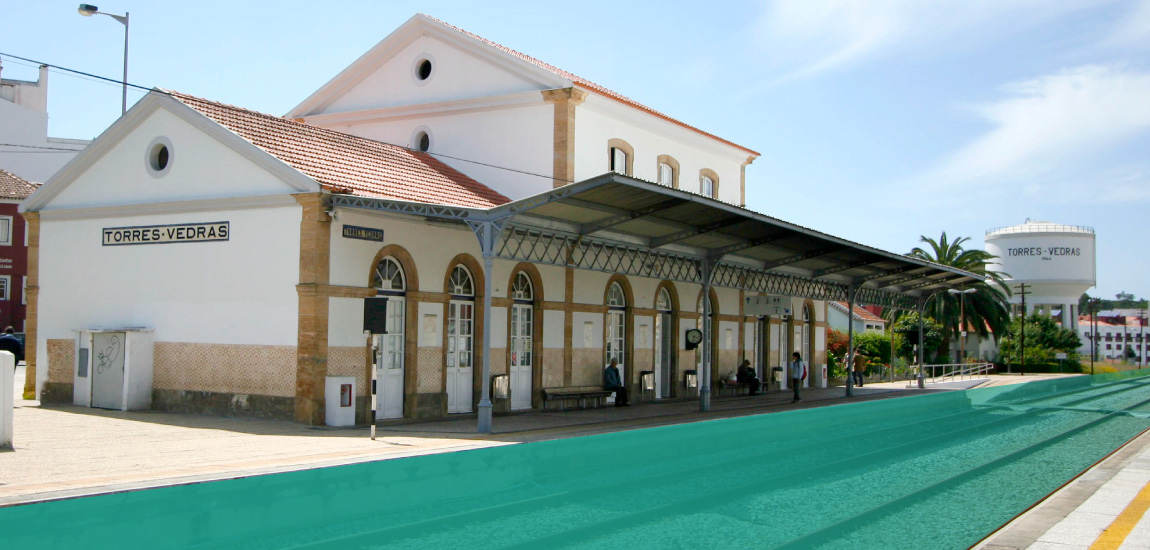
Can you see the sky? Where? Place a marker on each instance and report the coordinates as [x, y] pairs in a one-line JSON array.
[[878, 121]]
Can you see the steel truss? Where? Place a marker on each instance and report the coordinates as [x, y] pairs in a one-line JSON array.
[[529, 244]]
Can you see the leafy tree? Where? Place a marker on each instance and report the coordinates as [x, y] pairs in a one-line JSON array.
[[987, 310], [1044, 338], [906, 332]]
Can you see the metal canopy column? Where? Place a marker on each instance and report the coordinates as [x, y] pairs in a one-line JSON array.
[[487, 232], [921, 343], [705, 268], [850, 339]]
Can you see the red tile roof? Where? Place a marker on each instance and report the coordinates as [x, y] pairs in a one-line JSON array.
[[345, 163], [584, 83], [15, 187], [861, 313]]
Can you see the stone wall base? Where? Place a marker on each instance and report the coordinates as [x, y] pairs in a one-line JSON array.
[[56, 392], [224, 404], [426, 405]]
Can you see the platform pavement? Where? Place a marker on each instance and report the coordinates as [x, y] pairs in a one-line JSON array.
[[65, 451]]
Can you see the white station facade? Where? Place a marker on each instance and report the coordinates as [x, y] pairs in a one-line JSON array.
[[206, 258]]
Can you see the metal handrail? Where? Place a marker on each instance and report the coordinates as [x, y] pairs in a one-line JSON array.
[[959, 371]]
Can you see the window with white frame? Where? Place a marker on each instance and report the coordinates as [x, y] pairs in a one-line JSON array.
[[615, 335], [618, 160], [666, 175], [707, 186], [5, 286], [5, 230]]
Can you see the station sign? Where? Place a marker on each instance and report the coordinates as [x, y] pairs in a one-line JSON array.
[[362, 233], [166, 234], [771, 304]]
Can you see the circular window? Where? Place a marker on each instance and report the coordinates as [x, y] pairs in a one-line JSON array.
[[159, 157], [423, 69], [423, 141]]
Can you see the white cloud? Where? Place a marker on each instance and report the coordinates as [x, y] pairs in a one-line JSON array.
[[803, 38], [1050, 127]]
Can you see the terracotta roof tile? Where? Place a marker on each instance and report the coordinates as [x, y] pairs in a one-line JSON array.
[[342, 162], [15, 187], [584, 83], [861, 313]]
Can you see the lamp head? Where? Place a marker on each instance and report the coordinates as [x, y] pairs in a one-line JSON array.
[[957, 291], [88, 10]]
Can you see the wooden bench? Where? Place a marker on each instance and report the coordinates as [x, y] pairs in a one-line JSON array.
[[595, 396], [736, 388]]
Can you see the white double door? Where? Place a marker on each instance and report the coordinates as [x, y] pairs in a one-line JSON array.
[[521, 355], [460, 331], [389, 361]]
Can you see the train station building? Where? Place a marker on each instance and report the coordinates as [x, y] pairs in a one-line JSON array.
[[525, 225]]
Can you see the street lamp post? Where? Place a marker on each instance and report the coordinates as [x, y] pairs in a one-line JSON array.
[[88, 10], [962, 318]]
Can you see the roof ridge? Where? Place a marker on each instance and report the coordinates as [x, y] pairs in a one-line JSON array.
[[336, 160]]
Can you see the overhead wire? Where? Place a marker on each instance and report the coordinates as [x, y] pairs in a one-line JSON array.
[[79, 74]]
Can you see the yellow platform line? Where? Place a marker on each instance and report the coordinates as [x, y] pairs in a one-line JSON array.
[[1116, 532]]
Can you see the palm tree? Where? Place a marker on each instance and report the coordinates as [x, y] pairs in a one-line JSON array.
[[987, 309]]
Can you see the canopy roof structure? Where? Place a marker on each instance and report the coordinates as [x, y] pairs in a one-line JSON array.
[[618, 224]]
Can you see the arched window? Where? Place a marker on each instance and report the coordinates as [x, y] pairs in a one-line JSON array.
[[460, 333], [389, 348], [389, 275], [521, 344], [620, 157], [615, 335], [663, 301], [708, 183], [667, 172]]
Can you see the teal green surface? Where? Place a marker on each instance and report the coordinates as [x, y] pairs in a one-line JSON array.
[[930, 471]]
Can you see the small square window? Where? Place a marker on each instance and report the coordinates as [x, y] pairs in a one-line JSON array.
[[5, 230]]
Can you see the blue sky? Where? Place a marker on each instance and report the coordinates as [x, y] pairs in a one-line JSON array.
[[878, 120]]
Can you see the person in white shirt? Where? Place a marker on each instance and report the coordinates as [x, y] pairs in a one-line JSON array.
[[798, 374]]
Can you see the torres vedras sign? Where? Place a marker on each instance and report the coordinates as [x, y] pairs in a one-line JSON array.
[[165, 234]]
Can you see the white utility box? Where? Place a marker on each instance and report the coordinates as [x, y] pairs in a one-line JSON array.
[[7, 397], [340, 397], [113, 369]]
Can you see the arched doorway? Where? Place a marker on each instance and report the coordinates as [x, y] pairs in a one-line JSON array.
[[664, 347], [389, 348], [460, 340], [522, 342], [615, 335]]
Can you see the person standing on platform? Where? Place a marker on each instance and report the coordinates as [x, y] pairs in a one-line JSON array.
[[613, 382], [9, 342], [798, 374]]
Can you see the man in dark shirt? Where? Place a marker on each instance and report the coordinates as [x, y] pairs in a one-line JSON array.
[[9, 342], [613, 382]]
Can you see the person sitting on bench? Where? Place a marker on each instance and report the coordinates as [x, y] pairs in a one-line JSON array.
[[746, 375], [612, 382]]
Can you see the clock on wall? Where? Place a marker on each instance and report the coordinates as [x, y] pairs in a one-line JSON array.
[[694, 336]]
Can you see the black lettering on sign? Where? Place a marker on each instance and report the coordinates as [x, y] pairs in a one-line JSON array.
[[164, 234], [362, 233]]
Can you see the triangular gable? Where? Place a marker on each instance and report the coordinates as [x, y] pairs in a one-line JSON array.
[[158, 104], [419, 27]]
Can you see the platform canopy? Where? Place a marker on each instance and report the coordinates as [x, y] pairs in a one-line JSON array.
[[618, 224]]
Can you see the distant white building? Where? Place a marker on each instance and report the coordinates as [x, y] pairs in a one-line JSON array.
[[1114, 336], [863, 320], [27, 150]]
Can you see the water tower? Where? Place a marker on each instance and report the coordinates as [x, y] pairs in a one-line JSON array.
[[1055, 261]]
